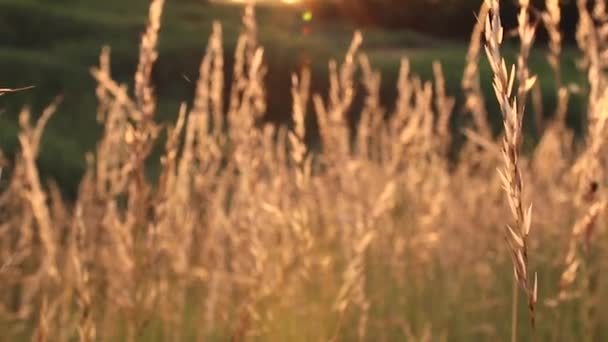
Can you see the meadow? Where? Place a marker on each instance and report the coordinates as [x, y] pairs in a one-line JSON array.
[[225, 177], [52, 45]]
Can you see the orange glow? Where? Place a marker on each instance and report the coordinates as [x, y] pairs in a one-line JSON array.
[[290, 2]]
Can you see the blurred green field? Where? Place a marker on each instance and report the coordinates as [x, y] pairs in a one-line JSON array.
[[52, 45]]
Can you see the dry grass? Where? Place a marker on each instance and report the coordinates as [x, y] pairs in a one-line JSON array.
[[383, 234]]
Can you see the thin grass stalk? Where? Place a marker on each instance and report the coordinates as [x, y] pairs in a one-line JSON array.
[[474, 99], [144, 92], [511, 174]]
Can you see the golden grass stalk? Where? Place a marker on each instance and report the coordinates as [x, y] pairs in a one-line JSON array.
[[511, 174], [217, 76], [589, 169], [300, 92], [526, 34], [332, 118], [474, 99], [444, 106], [33, 191], [551, 18], [144, 92], [369, 131]]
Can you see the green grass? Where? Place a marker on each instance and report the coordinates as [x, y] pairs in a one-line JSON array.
[[52, 45]]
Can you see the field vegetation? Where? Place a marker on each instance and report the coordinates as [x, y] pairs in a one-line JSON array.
[[280, 205], [53, 44]]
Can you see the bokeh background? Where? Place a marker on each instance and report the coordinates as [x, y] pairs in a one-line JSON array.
[[52, 45]]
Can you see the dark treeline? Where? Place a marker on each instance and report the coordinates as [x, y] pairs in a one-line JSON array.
[[442, 18]]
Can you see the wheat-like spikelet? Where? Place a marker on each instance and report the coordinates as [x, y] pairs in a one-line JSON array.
[[583, 228], [444, 106], [33, 191], [144, 92], [412, 126], [300, 92], [551, 18], [372, 115], [585, 35], [81, 258], [589, 168], [511, 173], [217, 76], [475, 102], [332, 118], [526, 34]]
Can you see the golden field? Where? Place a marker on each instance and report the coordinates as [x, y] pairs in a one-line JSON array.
[[400, 226]]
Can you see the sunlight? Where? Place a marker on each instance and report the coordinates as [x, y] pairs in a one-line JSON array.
[[289, 2]]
